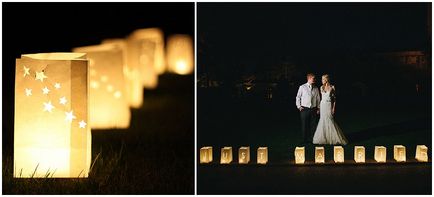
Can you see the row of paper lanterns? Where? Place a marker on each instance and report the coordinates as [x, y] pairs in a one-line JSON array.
[[59, 97], [399, 154]]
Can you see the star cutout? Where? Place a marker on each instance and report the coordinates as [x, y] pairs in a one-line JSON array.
[[57, 85], [40, 76], [82, 124], [45, 90], [63, 100], [117, 94], [69, 116], [28, 92], [48, 106], [26, 71]]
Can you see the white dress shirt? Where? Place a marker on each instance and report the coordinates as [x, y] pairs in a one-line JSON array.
[[307, 96]]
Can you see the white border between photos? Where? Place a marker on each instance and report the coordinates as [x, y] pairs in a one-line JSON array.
[[195, 71]]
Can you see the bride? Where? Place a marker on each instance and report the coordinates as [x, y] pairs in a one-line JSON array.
[[327, 131]]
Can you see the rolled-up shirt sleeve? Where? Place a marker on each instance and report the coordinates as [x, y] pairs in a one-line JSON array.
[[298, 98]]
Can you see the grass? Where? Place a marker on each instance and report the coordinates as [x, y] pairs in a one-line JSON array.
[[153, 156], [226, 121]]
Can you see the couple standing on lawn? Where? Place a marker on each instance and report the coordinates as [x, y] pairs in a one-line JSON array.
[[311, 102]]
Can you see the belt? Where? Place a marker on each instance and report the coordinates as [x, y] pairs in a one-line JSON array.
[[309, 107]]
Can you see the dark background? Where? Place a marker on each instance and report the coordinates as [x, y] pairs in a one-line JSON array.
[[377, 100], [155, 155]]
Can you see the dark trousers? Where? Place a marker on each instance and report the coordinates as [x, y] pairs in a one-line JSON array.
[[309, 121]]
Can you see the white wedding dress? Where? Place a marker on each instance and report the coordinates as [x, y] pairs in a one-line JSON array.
[[327, 131]]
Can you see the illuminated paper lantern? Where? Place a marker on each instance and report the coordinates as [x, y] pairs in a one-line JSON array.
[[399, 153], [51, 137], [359, 154], [319, 155], [226, 155], [244, 155], [206, 154], [299, 155], [380, 154], [338, 154], [133, 82], [422, 153], [108, 105], [146, 53], [262, 156], [180, 54]]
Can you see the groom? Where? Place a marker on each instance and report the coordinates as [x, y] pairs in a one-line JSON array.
[[308, 103]]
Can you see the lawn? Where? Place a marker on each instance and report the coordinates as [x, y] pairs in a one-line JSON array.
[[236, 122]]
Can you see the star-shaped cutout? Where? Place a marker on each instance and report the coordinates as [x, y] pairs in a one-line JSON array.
[[48, 106], [26, 71], [57, 85], [69, 116], [45, 90], [63, 100], [82, 124], [28, 92], [117, 94], [40, 76]]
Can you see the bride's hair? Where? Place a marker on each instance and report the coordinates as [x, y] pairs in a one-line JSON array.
[[327, 76]]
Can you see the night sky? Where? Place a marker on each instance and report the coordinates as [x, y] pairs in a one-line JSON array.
[[263, 34]]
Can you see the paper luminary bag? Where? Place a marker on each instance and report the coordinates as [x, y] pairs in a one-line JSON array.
[[146, 53], [421, 153], [359, 154], [155, 36], [133, 81], [226, 155], [108, 104], [380, 154], [206, 154], [180, 54], [299, 155], [262, 155], [319, 155], [338, 154], [244, 155], [399, 153], [51, 137]]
